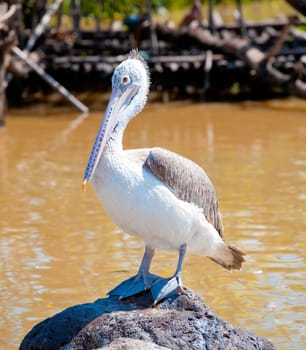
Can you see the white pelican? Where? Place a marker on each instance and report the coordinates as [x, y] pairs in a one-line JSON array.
[[153, 193]]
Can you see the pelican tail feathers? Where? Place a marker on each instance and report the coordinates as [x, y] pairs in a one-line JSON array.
[[228, 256]]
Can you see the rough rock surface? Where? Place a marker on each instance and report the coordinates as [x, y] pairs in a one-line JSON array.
[[180, 322], [134, 344]]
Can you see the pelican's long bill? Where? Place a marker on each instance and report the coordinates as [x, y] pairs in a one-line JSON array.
[[119, 100]]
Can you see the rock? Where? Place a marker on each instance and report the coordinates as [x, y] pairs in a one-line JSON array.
[[128, 343], [179, 322]]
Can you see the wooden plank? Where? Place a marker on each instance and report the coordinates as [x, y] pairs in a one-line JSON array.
[[51, 81]]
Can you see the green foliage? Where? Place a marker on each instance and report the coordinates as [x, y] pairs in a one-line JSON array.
[[109, 8], [123, 8]]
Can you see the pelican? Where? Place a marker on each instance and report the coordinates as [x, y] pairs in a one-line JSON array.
[[152, 193]]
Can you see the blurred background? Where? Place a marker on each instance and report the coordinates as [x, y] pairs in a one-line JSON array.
[[228, 91]]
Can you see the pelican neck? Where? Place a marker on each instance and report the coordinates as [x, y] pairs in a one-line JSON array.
[[114, 143]]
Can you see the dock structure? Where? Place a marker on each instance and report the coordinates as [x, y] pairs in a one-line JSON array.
[[197, 57]]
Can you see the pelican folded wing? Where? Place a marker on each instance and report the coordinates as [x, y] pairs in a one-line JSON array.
[[187, 180]]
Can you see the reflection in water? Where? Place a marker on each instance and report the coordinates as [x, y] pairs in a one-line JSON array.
[[58, 247]]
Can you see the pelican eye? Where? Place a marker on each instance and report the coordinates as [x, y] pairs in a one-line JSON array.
[[125, 79]]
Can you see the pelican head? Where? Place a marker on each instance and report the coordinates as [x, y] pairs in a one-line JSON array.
[[130, 87]]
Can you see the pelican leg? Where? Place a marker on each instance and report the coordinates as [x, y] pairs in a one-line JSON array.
[[166, 286], [140, 282]]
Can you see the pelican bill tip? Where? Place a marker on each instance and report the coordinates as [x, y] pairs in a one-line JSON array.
[[84, 186]]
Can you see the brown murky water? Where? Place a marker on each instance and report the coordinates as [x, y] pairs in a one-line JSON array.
[[58, 248]]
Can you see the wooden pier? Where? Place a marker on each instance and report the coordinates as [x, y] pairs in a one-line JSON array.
[[245, 60]]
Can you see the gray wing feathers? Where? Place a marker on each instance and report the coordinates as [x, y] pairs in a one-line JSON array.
[[187, 181]]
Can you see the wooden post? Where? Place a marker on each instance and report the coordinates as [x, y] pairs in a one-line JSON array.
[[243, 30], [281, 38], [16, 23], [59, 17], [39, 9], [154, 40], [51, 81], [7, 40], [98, 16], [23, 55], [211, 24], [76, 16], [207, 68], [41, 26], [2, 84]]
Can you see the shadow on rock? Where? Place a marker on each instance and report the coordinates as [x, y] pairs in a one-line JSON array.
[[179, 322]]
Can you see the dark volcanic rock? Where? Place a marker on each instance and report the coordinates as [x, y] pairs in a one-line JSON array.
[[134, 344], [180, 322]]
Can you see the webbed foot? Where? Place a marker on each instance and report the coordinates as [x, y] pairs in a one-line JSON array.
[[165, 287], [134, 285]]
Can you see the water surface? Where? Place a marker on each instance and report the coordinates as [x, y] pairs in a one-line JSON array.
[[58, 247]]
